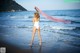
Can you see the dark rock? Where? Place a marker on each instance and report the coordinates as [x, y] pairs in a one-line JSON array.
[[10, 6]]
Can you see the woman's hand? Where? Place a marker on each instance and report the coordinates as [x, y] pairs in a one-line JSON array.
[[35, 8]]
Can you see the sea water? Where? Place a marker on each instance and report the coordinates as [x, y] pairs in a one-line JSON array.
[[24, 19], [19, 24]]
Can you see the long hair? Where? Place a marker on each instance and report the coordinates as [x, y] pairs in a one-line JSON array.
[[36, 14]]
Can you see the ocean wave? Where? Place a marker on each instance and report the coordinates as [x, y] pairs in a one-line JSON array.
[[59, 28], [15, 26], [77, 28], [19, 17], [42, 19], [67, 32], [72, 19], [67, 15], [45, 26]]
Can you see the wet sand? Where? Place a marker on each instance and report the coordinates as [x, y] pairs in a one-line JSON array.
[[16, 40]]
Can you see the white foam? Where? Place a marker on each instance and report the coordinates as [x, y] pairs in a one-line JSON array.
[[13, 17], [68, 18], [59, 27]]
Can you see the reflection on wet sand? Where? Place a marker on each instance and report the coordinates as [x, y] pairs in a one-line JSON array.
[[36, 49]]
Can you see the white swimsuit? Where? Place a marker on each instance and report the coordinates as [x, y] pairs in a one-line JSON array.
[[36, 24]]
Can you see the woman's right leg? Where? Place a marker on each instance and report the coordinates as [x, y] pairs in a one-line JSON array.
[[40, 39], [33, 34]]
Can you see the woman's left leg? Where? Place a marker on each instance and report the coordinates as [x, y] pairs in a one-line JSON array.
[[33, 34]]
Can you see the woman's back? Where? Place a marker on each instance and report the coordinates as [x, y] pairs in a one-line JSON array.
[[36, 19], [36, 23]]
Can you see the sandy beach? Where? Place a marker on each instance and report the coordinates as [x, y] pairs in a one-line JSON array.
[[16, 40]]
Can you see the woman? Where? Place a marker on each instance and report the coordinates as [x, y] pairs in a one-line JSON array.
[[36, 27]]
